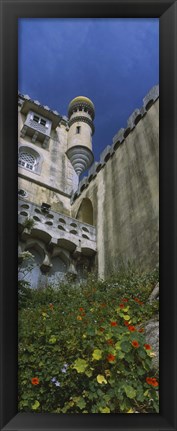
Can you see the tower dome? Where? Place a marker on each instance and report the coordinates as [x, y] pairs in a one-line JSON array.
[[81, 114]]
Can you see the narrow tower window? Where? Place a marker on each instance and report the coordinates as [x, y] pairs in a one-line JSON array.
[[78, 129]]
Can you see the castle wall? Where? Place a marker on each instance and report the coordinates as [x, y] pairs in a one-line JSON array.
[[55, 178], [124, 195]]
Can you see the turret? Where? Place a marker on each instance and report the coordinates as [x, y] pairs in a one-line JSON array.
[[81, 115]]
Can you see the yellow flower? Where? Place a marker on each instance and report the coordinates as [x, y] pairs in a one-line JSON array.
[[101, 379]]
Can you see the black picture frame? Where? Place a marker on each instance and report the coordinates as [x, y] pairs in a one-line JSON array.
[[166, 11]]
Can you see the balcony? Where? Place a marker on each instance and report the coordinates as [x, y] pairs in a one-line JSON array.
[[56, 229], [37, 128]]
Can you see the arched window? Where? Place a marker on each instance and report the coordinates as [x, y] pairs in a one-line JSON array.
[[29, 159]]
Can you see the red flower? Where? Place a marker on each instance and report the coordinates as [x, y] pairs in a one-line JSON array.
[[131, 328], [111, 358], [147, 346], [149, 380], [81, 309], [135, 344], [126, 323], [141, 330], [35, 381], [121, 305], [113, 323], [152, 381], [124, 300], [136, 299], [110, 342]]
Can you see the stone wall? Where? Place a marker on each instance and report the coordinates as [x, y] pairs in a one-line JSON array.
[[123, 189]]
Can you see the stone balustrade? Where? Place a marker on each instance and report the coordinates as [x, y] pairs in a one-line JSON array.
[[58, 228]]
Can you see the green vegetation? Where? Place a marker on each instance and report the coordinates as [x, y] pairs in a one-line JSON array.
[[82, 348]]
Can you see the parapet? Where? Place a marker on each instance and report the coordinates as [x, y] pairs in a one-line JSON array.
[[118, 139]]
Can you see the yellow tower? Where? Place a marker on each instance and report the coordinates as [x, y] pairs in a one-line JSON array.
[[81, 114]]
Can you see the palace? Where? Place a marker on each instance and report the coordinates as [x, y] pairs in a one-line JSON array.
[[108, 218]]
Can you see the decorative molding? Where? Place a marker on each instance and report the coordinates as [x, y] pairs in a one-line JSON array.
[[83, 119]]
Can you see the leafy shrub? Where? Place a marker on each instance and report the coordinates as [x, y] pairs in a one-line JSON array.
[[82, 348]]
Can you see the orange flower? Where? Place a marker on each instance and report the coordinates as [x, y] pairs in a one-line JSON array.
[[152, 381], [147, 346], [111, 358], [113, 323], [131, 328], [35, 381], [121, 305], [148, 380], [135, 344], [141, 330], [110, 342], [79, 318]]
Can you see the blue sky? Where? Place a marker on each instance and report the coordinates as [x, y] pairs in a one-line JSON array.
[[113, 61]]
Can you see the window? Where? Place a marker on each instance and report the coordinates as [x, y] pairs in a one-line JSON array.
[[36, 118], [27, 160], [39, 120], [78, 129], [43, 122]]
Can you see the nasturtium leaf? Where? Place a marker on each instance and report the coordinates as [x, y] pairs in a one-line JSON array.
[[35, 405], [101, 379], [142, 354], [88, 373], [120, 354], [125, 345], [118, 345], [130, 391], [80, 365], [97, 354], [104, 409], [81, 403]]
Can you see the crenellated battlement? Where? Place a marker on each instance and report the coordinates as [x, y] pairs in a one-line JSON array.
[[118, 140]]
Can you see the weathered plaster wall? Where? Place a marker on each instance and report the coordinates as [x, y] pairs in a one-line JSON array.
[[56, 170], [124, 195], [38, 194]]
